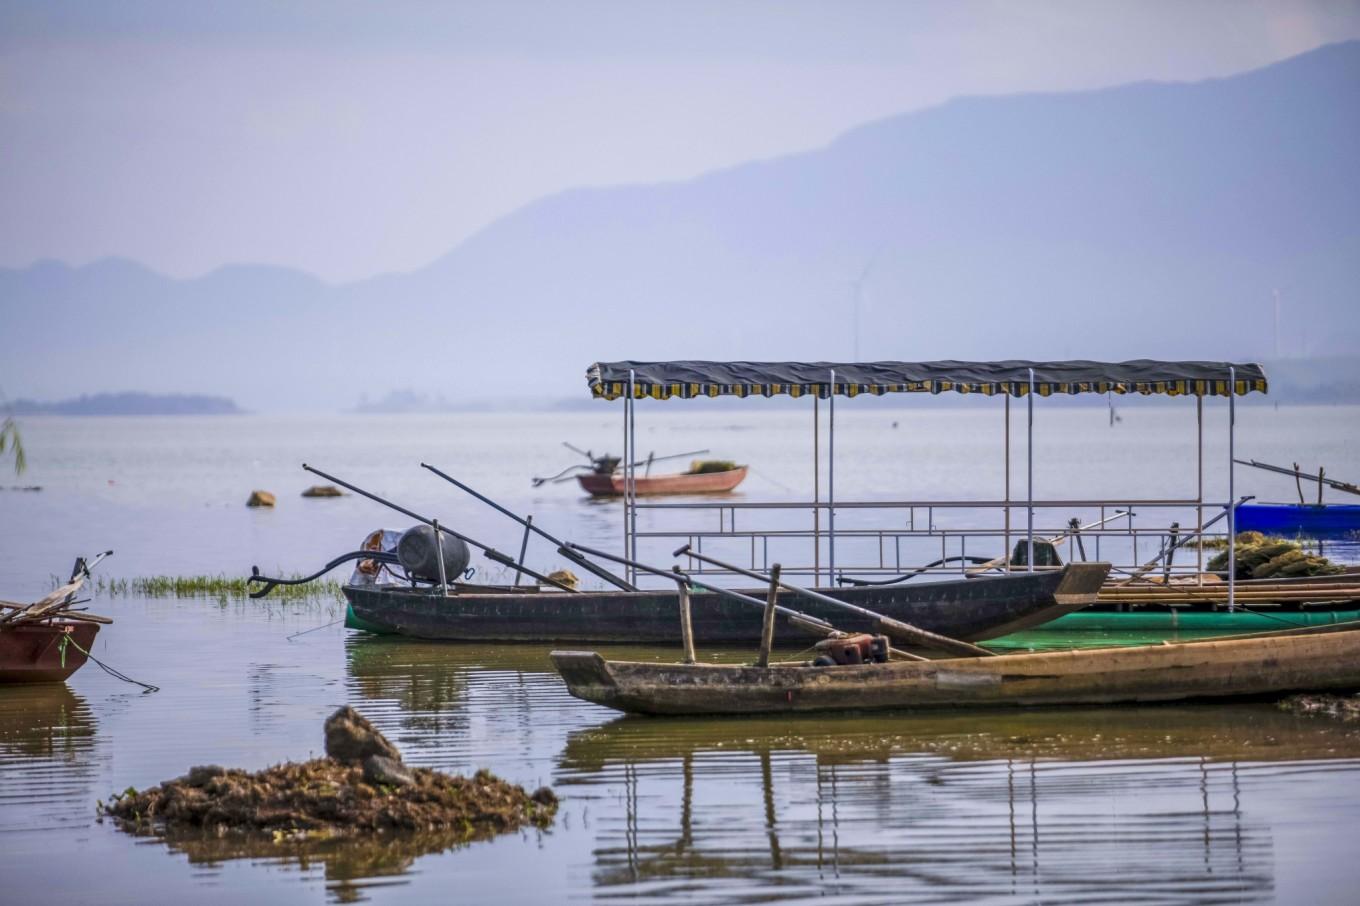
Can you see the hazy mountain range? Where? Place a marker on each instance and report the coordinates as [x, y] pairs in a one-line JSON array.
[[1150, 220]]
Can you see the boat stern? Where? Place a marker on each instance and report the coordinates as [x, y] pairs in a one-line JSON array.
[[1081, 583], [586, 675]]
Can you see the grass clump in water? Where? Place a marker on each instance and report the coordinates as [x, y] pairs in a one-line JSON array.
[[220, 587]]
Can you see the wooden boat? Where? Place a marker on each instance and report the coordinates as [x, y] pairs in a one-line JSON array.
[[1314, 659], [612, 485], [42, 652], [968, 609], [1294, 520], [47, 641], [1261, 605]]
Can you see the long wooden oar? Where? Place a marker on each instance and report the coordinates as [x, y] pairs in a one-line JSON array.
[[489, 552], [561, 546], [797, 619], [1319, 478], [1055, 541], [1176, 545], [55, 602], [898, 631]]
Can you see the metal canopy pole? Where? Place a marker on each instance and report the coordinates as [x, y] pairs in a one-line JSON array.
[[1199, 485], [627, 401], [1029, 531], [630, 485], [1232, 499], [831, 479], [1007, 398], [816, 488]]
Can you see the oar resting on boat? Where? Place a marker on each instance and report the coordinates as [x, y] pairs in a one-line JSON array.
[[1276, 663]]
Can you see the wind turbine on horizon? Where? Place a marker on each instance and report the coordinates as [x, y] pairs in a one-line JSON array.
[[856, 294]]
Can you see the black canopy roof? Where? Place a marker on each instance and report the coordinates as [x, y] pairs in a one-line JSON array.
[[662, 380]]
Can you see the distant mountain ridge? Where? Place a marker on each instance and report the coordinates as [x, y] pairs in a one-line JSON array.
[[130, 404], [1150, 220]]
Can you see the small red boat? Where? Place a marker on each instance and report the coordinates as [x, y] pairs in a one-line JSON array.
[[43, 651], [681, 483], [48, 640]]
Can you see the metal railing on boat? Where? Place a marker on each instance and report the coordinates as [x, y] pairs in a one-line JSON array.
[[1127, 532]]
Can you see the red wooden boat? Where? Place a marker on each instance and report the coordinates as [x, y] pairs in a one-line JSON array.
[[682, 483], [42, 651]]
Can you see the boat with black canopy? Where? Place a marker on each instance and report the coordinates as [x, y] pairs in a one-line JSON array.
[[985, 596]]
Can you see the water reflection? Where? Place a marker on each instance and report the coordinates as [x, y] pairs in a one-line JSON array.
[[44, 720], [1161, 803], [349, 867], [1056, 806], [47, 756]]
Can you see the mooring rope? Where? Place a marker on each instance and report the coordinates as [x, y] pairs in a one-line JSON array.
[[315, 628], [67, 640]]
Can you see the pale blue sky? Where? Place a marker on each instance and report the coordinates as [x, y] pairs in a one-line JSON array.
[[350, 139]]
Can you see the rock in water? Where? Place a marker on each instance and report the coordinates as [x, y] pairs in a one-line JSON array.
[[260, 498], [322, 490], [351, 738], [385, 771]]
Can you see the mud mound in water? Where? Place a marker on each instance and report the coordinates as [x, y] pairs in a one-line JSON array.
[[1341, 707], [361, 787], [327, 796]]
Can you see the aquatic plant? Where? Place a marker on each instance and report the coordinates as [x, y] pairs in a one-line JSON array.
[[11, 442], [220, 587]]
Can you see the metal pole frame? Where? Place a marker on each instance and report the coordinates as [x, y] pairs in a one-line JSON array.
[[1199, 486], [630, 475], [816, 488], [1007, 398], [831, 480], [1029, 508], [1232, 499]]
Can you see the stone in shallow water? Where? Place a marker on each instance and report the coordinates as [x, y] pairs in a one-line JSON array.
[[386, 771], [351, 738]]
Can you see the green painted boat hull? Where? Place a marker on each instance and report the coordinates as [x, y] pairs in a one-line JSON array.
[[1099, 629], [1171, 620], [354, 621]]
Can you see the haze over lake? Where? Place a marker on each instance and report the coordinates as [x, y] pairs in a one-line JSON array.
[[243, 237]]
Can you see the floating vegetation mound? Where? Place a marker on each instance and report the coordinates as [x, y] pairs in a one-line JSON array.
[[361, 787], [1262, 557], [701, 466], [1341, 707]]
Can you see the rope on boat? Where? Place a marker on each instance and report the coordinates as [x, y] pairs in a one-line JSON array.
[[67, 640]]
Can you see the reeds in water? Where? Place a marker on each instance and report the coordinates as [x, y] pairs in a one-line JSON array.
[[220, 587]]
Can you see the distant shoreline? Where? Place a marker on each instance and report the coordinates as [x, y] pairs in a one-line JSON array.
[[130, 404]]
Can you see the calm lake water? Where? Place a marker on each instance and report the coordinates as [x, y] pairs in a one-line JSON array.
[[1171, 804]]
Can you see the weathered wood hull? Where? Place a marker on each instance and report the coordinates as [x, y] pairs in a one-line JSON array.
[[651, 486], [34, 653], [971, 610], [1278, 663]]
